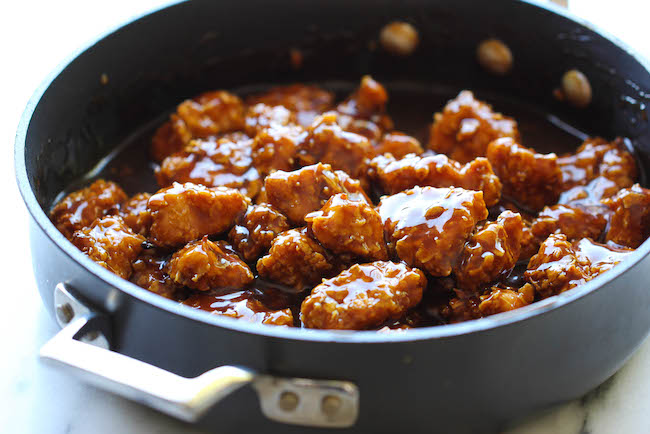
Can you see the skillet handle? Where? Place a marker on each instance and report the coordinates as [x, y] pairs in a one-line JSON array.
[[82, 348]]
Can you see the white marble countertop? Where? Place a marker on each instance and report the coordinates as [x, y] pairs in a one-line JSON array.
[[35, 36]]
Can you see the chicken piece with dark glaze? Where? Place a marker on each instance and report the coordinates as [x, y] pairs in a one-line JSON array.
[[302, 191], [398, 145], [328, 143], [363, 296], [529, 178], [276, 147], [205, 265], [207, 115], [150, 273], [597, 157], [490, 253], [305, 101], [495, 300], [572, 221], [256, 230], [111, 243], [82, 207], [241, 305], [598, 258], [222, 162], [261, 116], [186, 212], [630, 220], [136, 215], [394, 176], [427, 227], [555, 268], [364, 112], [296, 261], [466, 126], [351, 226]]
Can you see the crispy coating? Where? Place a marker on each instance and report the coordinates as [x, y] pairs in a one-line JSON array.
[[363, 296], [597, 157], [529, 242], [135, 213], [530, 178], [205, 265], [212, 113], [111, 243], [296, 260], [572, 221], [630, 221], [302, 191], [490, 253], [364, 112], [466, 126], [394, 175], [149, 272], [186, 212], [555, 268], [500, 300], [261, 116], [242, 305], [347, 225], [80, 208], [399, 145], [223, 162], [328, 143], [256, 229], [428, 227], [306, 101], [170, 137], [275, 148]]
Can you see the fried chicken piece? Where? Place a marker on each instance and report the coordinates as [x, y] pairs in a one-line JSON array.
[[490, 253], [205, 265], [296, 260], [394, 175], [500, 300], [347, 225], [302, 191], [186, 212], [328, 143], [427, 227], [241, 304], [589, 196], [461, 309], [305, 101], [111, 243], [207, 115], [555, 268], [363, 296], [466, 126], [261, 116], [81, 208], [136, 215], [170, 137], [223, 162], [597, 257], [256, 229], [212, 113], [572, 221], [275, 148], [149, 272], [529, 178], [597, 157], [399, 145], [364, 112], [630, 221], [529, 242]]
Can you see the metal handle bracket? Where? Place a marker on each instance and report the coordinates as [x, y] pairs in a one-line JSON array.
[[83, 348]]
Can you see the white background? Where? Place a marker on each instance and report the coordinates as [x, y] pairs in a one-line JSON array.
[[34, 37]]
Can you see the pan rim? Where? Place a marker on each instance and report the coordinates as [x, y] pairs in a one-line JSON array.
[[446, 331]]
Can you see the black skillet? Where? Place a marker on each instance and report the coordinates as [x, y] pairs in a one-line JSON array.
[[468, 377]]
